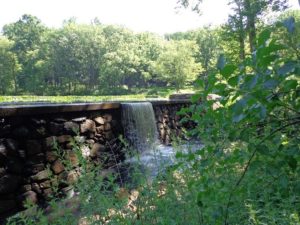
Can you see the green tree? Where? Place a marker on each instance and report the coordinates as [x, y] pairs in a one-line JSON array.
[[27, 34], [9, 66], [176, 64]]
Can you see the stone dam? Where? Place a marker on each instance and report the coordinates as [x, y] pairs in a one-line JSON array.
[[32, 136]]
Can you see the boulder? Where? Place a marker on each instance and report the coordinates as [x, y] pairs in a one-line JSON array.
[[71, 127], [56, 128], [64, 138], [96, 150], [79, 120], [42, 175], [57, 167], [88, 126], [71, 157], [51, 156], [107, 117], [25, 188], [99, 120], [46, 184], [49, 143], [36, 188], [29, 197]]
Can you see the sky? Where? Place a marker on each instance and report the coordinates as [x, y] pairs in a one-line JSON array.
[[159, 16]]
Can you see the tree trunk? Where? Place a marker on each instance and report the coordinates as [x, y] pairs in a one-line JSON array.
[[241, 35], [250, 25]]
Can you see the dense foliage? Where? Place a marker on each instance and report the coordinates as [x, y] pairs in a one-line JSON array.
[[94, 59], [89, 59]]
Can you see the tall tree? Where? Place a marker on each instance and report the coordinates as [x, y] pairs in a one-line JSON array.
[[9, 66], [251, 10], [27, 35], [177, 64]]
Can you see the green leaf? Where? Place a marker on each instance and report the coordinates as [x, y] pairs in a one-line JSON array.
[[228, 70], [271, 84], [233, 81], [221, 62], [263, 37], [200, 84], [196, 98], [287, 68], [237, 118], [292, 162], [289, 24]]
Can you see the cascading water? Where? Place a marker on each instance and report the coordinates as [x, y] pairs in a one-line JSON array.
[[140, 130], [139, 126]]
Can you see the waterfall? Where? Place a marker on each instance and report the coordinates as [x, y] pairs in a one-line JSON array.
[[140, 131], [140, 126]]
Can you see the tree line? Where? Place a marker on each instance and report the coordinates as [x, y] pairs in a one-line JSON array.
[[94, 59]]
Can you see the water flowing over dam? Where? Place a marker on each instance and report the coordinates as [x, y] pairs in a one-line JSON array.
[[139, 124]]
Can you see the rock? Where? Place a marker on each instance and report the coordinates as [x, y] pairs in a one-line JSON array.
[[38, 122], [60, 120], [79, 120], [3, 153], [41, 132], [21, 132], [109, 135], [51, 156], [7, 205], [107, 127], [88, 126], [36, 188], [45, 184], [34, 168], [5, 130], [2, 172], [29, 197], [72, 177], [64, 138], [36, 159], [90, 141], [22, 153], [49, 143], [99, 120], [56, 128], [25, 188], [47, 194], [96, 150], [57, 167], [108, 118], [40, 176], [100, 129], [9, 183], [68, 192], [12, 145], [160, 126], [33, 147], [71, 127], [71, 157]]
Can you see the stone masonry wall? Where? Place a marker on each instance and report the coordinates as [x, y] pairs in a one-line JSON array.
[[29, 164], [169, 124], [37, 151]]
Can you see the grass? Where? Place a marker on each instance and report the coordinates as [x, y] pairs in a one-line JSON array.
[[141, 94]]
